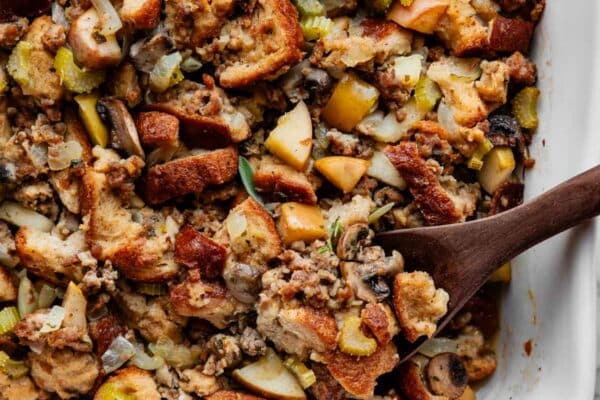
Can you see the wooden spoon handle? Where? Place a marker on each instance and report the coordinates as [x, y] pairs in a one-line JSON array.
[[555, 211]]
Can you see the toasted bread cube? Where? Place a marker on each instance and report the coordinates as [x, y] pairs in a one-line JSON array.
[[157, 129], [141, 14], [301, 222], [196, 251], [282, 182], [508, 35]]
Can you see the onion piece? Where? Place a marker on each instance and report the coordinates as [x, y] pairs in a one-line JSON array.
[[191, 64], [109, 18], [236, 225], [53, 320], [26, 297], [47, 296], [60, 156], [58, 15], [16, 214], [435, 346], [166, 72], [119, 352], [177, 355], [144, 361]]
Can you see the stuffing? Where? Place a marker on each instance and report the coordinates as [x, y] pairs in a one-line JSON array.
[[8, 291], [104, 330], [412, 380], [461, 30], [354, 212], [380, 320], [207, 117], [142, 253], [224, 352], [210, 301], [460, 95], [42, 82], [478, 357], [325, 388], [260, 44], [18, 388], [520, 69], [196, 382], [135, 382], [12, 31], [124, 85], [252, 343], [436, 205], [191, 174], [464, 196], [39, 197], [140, 14], [191, 23], [493, 84], [360, 45], [259, 242], [230, 395], [296, 330], [67, 373], [344, 144], [157, 128], [282, 182], [49, 257], [358, 376], [54, 37], [196, 251], [418, 304], [152, 317]]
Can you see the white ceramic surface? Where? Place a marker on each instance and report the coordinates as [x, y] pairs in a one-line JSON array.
[[552, 299]]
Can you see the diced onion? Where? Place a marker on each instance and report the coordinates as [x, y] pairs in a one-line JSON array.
[[9, 316], [60, 156], [47, 296], [110, 20], [236, 225], [179, 356], [53, 320], [26, 297], [436, 346], [58, 15], [18, 215], [191, 64], [166, 72], [144, 361], [446, 118], [119, 352]]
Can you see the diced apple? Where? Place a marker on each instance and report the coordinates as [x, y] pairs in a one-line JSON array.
[[75, 305], [421, 15], [301, 222], [270, 378], [291, 140], [382, 169], [343, 172], [351, 100], [498, 166]]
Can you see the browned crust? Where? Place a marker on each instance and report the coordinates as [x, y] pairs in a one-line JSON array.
[[433, 201], [285, 18], [376, 319], [358, 375], [231, 395], [319, 322], [104, 331], [157, 128], [190, 175], [411, 382], [508, 35], [194, 250], [8, 291], [283, 183], [133, 261], [325, 388], [379, 29], [143, 15]]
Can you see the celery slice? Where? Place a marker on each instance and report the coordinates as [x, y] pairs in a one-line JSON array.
[[427, 94], [12, 368], [310, 8], [524, 107], [316, 27], [305, 375], [74, 78], [380, 212], [476, 160], [353, 341], [9, 316]]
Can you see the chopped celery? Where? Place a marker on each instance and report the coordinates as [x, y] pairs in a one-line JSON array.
[[12, 368], [316, 27], [151, 289], [109, 391], [72, 76], [476, 160], [9, 316], [18, 63], [524, 107], [310, 8], [353, 341], [305, 375], [427, 94]]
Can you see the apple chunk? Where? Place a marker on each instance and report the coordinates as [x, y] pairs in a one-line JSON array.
[[270, 378], [421, 15], [383, 170], [498, 166], [301, 222], [343, 172], [291, 140]]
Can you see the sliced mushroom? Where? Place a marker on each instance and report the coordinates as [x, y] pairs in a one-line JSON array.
[[124, 132], [146, 52], [243, 281], [91, 49], [447, 375], [349, 244]]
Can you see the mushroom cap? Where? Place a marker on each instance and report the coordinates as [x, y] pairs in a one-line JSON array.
[[447, 375]]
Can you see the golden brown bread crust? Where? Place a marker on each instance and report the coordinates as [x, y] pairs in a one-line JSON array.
[[157, 128], [8, 291], [196, 251], [278, 42], [461, 30], [310, 322], [190, 174], [141, 14], [411, 383], [104, 331], [377, 320], [283, 182], [431, 198], [231, 395], [508, 35], [358, 375]]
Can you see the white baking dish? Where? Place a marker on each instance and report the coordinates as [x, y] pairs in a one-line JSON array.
[[552, 298]]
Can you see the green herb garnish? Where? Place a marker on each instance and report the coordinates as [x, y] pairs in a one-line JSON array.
[[334, 231], [380, 212], [247, 175]]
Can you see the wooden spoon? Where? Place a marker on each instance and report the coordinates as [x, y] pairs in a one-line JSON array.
[[462, 257]]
